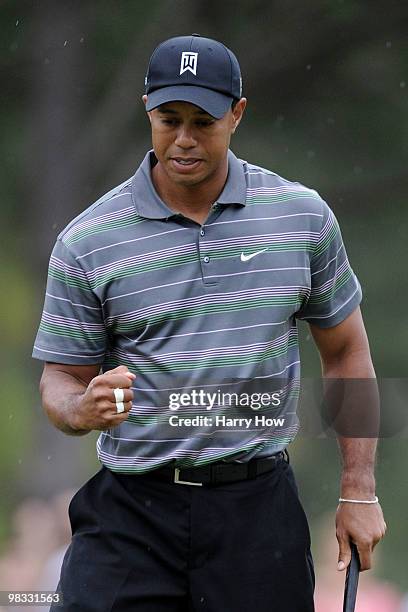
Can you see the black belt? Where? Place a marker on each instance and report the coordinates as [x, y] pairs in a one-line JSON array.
[[218, 473]]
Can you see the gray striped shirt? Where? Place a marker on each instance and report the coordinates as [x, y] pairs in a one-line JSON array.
[[208, 311]]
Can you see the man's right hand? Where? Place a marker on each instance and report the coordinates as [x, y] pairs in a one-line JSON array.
[[77, 399], [96, 409]]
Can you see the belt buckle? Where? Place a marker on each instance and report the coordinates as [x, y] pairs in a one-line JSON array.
[[185, 482]]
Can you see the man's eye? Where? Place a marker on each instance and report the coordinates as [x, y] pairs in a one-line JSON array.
[[205, 123], [169, 121]]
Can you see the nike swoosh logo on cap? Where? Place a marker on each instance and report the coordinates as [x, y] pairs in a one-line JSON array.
[[248, 257]]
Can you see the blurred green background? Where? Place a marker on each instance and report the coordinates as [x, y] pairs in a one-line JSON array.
[[327, 89]]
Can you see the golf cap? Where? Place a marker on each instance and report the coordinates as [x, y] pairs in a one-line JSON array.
[[193, 69]]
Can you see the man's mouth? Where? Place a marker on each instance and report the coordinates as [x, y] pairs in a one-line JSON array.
[[185, 163]]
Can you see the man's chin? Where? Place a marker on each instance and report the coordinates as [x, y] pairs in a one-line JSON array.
[[186, 180]]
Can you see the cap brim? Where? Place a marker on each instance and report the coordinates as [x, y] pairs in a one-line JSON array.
[[212, 102]]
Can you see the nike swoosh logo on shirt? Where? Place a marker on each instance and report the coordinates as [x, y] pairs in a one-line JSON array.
[[248, 257]]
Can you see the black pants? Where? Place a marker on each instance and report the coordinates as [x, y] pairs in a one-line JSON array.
[[144, 545]]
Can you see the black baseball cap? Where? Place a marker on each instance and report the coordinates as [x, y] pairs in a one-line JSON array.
[[193, 69]]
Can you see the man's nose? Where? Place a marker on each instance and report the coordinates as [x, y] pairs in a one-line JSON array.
[[185, 138]]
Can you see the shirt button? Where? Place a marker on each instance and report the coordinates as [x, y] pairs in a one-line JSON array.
[[206, 260], [202, 232]]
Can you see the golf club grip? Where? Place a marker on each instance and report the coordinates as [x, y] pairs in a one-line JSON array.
[[350, 589]]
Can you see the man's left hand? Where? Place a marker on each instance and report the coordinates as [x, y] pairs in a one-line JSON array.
[[362, 524]]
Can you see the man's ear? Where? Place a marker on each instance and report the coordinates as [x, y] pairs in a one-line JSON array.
[[144, 98], [237, 113]]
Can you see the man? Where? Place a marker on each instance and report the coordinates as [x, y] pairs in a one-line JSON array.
[[183, 286]]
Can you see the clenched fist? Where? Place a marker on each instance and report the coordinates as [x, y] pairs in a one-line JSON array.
[[97, 407]]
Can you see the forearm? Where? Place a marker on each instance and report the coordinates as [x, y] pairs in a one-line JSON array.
[[61, 394], [359, 406], [358, 459]]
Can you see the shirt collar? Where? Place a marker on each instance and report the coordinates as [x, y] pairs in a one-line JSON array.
[[148, 204]]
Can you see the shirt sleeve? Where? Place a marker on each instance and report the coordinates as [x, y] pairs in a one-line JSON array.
[[335, 290], [72, 328]]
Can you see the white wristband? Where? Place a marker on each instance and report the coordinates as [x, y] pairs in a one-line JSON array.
[[359, 501]]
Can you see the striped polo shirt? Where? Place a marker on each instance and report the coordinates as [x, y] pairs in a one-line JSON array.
[[204, 315]]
